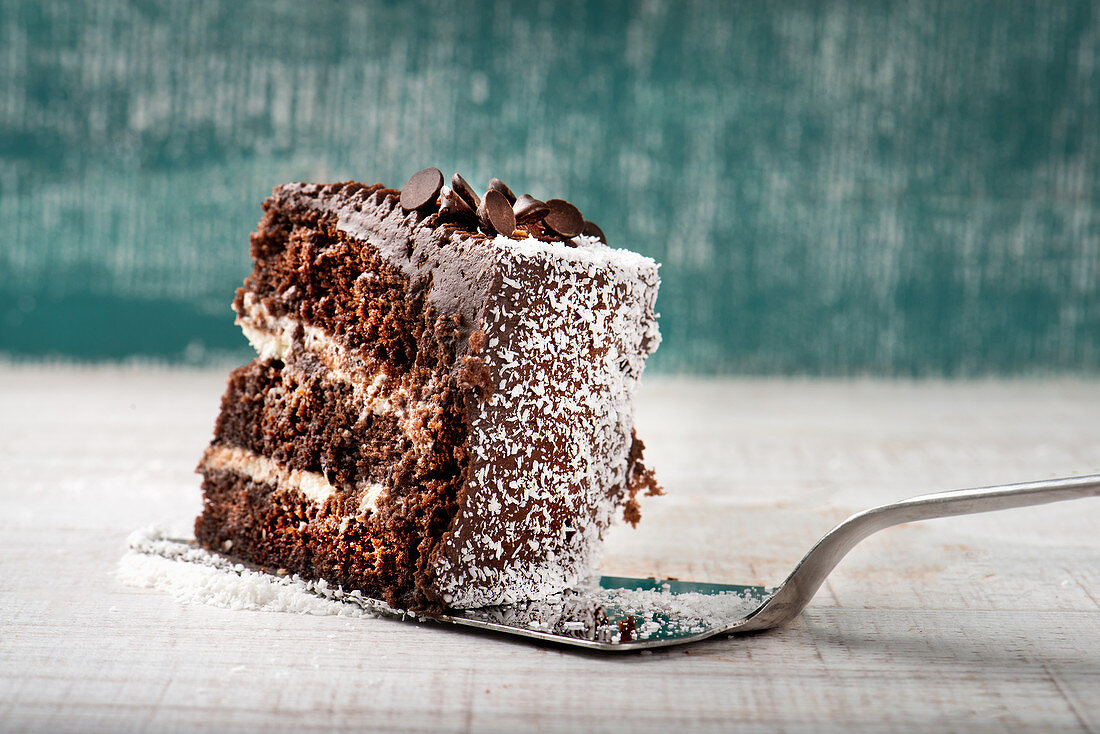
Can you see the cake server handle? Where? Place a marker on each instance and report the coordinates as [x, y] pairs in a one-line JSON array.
[[795, 592]]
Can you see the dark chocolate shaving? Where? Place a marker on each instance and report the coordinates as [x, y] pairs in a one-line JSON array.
[[529, 209], [495, 184], [564, 218], [627, 629], [422, 189]]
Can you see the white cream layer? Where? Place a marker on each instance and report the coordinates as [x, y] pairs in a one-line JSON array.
[[263, 470], [273, 338]]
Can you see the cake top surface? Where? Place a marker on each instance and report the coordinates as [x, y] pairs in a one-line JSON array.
[[454, 257], [357, 208]]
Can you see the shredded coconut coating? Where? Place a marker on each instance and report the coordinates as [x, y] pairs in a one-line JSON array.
[[567, 334]]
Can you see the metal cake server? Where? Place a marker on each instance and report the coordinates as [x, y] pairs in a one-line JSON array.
[[621, 614]]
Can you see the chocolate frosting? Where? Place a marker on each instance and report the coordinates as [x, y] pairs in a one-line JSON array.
[[454, 267]]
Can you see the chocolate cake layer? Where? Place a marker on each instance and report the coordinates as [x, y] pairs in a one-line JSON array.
[[411, 296], [294, 431], [312, 424], [283, 530]]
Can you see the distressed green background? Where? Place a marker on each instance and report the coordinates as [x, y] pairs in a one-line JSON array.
[[833, 187]]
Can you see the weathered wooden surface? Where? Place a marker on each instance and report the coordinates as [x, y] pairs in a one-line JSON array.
[[969, 623]]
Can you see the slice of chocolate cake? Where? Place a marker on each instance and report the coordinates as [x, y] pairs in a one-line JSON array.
[[440, 412]]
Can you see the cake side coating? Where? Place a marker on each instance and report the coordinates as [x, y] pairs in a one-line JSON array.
[[567, 332]]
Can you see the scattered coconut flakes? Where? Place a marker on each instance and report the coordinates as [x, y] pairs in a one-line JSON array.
[[685, 613], [195, 576], [163, 560]]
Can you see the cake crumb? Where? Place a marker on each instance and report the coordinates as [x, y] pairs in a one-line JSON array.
[[474, 373], [627, 628]]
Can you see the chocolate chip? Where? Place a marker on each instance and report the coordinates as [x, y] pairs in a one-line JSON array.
[[463, 189], [530, 209], [592, 230], [496, 213], [453, 206], [421, 189], [495, 184], [500, 212], [564, 218]]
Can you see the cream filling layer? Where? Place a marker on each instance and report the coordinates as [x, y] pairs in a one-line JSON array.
[[264, 470], [273, 338]]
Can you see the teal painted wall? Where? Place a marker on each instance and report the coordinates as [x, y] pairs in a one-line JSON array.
[[833, 187]]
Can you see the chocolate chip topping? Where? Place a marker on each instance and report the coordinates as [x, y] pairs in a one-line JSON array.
[[592, 230], [464, 190], [564, 218], [452, 206], [529, 209], [495, 184], [421, 189], [496, 213], [500, 212]]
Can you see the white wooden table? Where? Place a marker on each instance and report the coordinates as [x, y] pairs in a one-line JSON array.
[[959, 624]]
